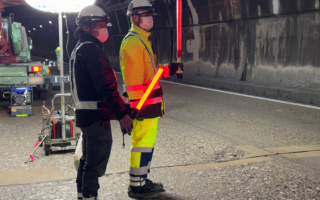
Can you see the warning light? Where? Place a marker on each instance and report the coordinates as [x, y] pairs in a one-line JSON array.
[[150, 88], [36, 69]]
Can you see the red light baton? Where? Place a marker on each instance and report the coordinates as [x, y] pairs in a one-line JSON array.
[[144, 98], [179, 37], [150, 88]]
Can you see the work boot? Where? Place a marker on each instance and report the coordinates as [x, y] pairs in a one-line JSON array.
[[144, 193], [158, 187], [91, 198], [80, 197]]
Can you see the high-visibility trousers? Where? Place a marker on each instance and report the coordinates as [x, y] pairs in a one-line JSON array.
[[144, 136]]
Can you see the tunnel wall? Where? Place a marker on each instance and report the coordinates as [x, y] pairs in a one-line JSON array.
[[273, 42], [263, 41]]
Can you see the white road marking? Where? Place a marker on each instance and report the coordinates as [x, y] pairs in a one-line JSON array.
[[245, 95]]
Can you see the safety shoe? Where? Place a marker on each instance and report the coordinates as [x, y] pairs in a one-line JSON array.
[[158, 187], [144, 193], [91, 198], [80, 196]]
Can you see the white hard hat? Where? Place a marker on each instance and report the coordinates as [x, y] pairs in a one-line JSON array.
[[140, 6], [92, 13]]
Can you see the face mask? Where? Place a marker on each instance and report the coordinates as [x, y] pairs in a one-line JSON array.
[[103, 34], [147, 23]]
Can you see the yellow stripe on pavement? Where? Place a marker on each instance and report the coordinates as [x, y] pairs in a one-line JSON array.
[[254, 152], [38, 175], [292, 149], [310, 154]]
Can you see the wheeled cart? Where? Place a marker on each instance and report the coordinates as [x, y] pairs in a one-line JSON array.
[[61, 129]]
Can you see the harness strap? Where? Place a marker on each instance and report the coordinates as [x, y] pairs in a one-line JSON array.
[[80, 105], [149, 51]]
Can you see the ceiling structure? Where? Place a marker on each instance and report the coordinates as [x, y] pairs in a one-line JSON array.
[[8, 3]]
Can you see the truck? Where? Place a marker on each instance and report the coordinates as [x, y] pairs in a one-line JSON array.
[[21, 80]]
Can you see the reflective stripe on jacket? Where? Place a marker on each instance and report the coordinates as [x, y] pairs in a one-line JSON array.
[[138, 71]]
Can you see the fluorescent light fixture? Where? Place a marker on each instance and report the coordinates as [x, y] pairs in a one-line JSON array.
[[60, 5], [276, 6]]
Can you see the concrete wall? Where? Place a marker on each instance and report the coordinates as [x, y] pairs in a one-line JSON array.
[[274, 43], [265, 41]]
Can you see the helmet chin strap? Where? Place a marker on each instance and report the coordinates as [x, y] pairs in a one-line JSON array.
[[139, 17]]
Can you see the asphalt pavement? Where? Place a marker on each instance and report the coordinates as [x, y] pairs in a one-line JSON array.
[[210, 145]]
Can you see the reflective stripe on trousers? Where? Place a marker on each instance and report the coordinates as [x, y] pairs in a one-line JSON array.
[[144, 136]]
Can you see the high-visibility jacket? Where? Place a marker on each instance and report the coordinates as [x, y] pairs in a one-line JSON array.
[[138, 69]]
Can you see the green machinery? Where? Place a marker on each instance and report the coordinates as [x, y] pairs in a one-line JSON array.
[[21, 80]]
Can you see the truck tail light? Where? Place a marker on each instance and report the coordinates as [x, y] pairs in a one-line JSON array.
[[36, 69]]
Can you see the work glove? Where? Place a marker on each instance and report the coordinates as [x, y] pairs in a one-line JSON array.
[[126, 125], [176, 68]]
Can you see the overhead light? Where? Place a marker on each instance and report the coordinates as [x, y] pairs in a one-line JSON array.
[[40, 26], [60, 5], [29, 31], [50, 22], [34, 29]]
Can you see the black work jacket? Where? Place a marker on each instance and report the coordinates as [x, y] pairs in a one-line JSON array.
[[95, 81]]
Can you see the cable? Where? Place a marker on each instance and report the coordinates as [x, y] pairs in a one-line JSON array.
[[69, 103], [67, 26], [43, 130], [65, 17]]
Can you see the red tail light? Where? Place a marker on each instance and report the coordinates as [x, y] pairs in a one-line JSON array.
[[36, 69]]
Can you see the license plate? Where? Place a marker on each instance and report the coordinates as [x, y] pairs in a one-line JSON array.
[[73, 143]]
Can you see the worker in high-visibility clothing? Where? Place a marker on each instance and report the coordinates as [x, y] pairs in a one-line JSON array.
[[93, 85], [139, 65]]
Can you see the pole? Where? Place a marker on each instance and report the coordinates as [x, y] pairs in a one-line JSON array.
[[179, 31], [63, 110], [31, 155]]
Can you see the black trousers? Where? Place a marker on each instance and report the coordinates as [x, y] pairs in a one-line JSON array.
[[96, 148]]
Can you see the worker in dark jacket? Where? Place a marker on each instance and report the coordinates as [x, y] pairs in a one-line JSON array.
[[97, 101]]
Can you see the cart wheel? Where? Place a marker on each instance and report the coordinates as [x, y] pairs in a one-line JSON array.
[[47, 150], [40, 139]]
